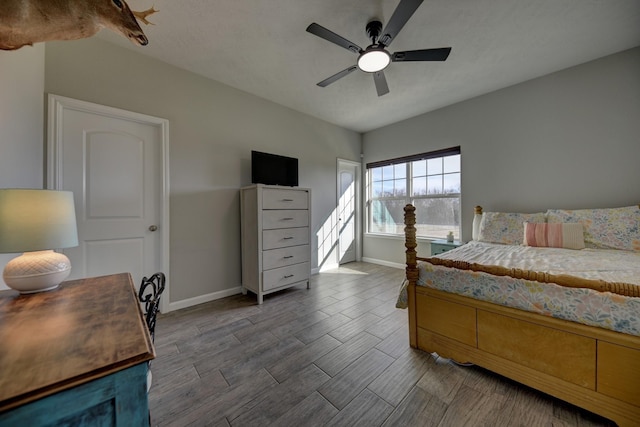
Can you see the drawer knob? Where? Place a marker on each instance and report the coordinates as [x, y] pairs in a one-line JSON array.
[[287, 200], [287, 238], [288, 276], [287, 219], [288, 256]]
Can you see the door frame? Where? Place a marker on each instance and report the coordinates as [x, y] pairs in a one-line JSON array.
[[55, 112], [357, 216]]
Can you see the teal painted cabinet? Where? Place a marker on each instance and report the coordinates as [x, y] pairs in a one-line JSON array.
[[442, 246], [74, 356], [119, 399]]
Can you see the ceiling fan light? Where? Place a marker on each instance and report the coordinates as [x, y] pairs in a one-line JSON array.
[[372, 61]]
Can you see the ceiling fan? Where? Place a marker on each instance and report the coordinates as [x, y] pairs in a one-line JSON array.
[[375, 58]]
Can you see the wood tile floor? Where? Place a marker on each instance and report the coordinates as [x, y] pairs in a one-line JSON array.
[[334, 355]]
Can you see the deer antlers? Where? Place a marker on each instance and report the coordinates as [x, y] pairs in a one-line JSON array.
[[142, 16]]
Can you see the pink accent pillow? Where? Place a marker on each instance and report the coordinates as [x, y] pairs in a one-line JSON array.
[[568, 235]]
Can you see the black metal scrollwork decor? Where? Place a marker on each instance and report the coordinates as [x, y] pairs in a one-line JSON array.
[[150, 293]]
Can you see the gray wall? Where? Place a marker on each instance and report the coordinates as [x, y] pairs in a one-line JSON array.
[[213, 129], [570, 139], [21, 122]]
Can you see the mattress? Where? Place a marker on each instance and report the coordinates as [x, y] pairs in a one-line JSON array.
[[586, 306]]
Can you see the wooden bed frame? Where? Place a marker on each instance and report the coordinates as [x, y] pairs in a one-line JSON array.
[[593, 368]]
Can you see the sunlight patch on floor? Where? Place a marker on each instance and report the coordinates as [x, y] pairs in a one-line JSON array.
[[345, 270]]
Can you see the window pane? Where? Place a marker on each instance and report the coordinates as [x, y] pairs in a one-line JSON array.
[[419, 186], [387, 216], [452, 163], [419, 168], [401, 187], [376, 174], [434, 166], [437, 217], [434, 184], [387, 172], [387, 188], [376, 189], [400, 170], [452, 183]]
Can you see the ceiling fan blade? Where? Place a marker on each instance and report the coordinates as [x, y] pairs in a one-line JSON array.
[[326, 82], [329, 35], [439, 54], [381, 83], [401, 15]]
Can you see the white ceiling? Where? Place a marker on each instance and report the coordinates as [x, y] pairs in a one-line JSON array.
[[261, 47]]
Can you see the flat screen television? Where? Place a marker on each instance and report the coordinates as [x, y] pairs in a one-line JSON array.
[[272, 169]]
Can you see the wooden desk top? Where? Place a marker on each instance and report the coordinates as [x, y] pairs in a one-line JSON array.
[[83, 330]]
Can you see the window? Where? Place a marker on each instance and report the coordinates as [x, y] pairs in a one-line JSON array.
[[429, 181]]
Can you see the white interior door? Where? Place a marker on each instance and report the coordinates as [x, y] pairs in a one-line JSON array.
[[348, 211], [113, 162]]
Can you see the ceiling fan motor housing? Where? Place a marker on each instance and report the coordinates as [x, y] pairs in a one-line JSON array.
[[374, 28]]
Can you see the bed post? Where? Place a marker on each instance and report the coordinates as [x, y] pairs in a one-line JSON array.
[[411, 270]]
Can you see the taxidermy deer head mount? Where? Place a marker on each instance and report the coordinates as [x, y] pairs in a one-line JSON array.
[[24, 22]]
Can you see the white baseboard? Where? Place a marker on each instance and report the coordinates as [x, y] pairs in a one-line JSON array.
[[385, 263], [190, 302]]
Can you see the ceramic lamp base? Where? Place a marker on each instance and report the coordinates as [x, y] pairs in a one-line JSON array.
[[36, 271]]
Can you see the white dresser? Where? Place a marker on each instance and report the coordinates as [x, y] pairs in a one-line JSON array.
[[276, 236]]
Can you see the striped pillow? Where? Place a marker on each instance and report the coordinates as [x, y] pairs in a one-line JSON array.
[[568, 235]]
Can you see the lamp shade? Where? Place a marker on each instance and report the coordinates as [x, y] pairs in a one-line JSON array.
[[34, 220]]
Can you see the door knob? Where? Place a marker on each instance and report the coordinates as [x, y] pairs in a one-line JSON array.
[[153, 227]]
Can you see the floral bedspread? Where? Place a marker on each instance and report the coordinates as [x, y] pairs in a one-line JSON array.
[[602, 309]]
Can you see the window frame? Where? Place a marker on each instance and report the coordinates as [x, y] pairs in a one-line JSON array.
[[408, 196]]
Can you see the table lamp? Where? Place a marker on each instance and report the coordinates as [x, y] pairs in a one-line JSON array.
[[36, 222]]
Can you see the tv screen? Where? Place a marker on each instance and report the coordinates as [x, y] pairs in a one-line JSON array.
[[272, 169]]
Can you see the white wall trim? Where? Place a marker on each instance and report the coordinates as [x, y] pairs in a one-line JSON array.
[[383, 262], [189, 302]]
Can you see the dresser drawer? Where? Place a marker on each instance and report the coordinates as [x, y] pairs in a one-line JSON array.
[[284, 219], [284, 276], [442, 246], [439, 249], [275, 258], [285, 237], [285, 199]]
